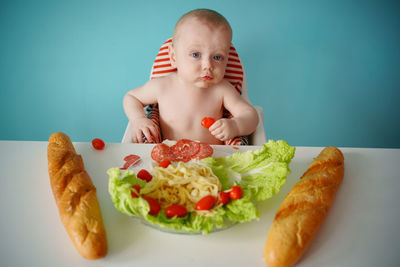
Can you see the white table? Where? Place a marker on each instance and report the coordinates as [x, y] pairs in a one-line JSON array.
[[361, 228]]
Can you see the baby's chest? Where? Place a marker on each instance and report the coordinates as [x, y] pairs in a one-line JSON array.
[[187, 107]]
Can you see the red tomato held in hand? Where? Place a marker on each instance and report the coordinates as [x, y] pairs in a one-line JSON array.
[[144, 175], [137, 188], [98, 144], [223, 197], [175, 210], [164, 163], [154, 205], [205, 203], [236, 192], [207, 122]]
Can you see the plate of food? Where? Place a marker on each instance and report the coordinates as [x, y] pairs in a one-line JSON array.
[[187, 188]]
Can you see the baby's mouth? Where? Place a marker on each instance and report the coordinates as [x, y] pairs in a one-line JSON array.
[[207, 78]]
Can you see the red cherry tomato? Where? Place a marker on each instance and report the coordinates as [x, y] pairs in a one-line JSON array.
[[223, 197], [137, 188], [98, 144], [207, 122], [205, 203], [175, 210], [154, 205], [236, 192], [164, 163], [144, 175]]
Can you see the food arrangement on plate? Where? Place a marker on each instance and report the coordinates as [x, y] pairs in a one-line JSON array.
[[189, 191]]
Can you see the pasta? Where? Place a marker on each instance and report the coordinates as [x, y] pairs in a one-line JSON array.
[[182, 184]]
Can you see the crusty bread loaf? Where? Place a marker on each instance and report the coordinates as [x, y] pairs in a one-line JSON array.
[[304, 209], [76, 198]]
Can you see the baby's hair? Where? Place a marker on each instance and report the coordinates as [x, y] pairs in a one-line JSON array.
[[206, 16]]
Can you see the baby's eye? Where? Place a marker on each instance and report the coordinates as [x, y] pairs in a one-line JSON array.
[[196, 54], [218, 58]]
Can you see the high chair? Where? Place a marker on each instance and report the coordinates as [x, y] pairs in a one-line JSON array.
[[234, 73]]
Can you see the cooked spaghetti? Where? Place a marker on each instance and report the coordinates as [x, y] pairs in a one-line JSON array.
[[182, 184]]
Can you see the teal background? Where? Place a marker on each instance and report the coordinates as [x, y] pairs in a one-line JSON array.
[[325, 72]]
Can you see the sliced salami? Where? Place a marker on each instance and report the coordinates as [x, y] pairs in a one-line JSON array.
[[205, 151], [160, 152], [184, 150], [131, 161]]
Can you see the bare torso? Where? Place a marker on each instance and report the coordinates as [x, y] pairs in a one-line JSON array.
[[182, 109]]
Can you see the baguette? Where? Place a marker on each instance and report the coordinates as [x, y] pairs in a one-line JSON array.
[[304, 209], [76, 198]]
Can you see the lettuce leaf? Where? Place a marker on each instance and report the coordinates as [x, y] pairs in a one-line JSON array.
[[262, 172]]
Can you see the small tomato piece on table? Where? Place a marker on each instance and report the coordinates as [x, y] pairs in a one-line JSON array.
[[207, 122], [154, 205], [98, 144], [144, 175], [206, 203], [223, 197], [175, 210], [135, 193], [236, 192]]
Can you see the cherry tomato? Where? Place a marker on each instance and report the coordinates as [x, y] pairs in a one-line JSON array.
[[175, 210], [164, 163], [223, 197], [144, 175], [205, 203], [154, 205], [207, 122], [236, 192], [137, 188], [98, 143]]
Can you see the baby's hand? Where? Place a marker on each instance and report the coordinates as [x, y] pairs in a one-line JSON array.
[[146, 127], [224, 129]]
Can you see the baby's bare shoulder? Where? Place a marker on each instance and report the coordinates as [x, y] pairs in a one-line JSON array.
[[226, 87]]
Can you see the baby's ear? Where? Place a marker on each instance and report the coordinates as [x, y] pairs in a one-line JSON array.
[[171, 53]]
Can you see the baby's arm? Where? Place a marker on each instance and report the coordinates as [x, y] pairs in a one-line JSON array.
[[133, 103], [244, 121]]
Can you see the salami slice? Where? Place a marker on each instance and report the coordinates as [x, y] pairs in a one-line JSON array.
[[184, 150], [132, 157], [131, 161], [160, 152], [205, 151]]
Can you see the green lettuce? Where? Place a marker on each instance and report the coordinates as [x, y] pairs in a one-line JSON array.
[[260, 173]]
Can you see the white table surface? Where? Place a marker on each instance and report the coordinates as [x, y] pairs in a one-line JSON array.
[[361, 228]]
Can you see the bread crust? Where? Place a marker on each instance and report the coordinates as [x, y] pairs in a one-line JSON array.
[[304, 209], [76, 198]]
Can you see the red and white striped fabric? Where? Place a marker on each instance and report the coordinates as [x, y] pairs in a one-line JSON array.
[[233, 73]]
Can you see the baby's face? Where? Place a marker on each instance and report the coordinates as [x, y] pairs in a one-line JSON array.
[[200, 53]]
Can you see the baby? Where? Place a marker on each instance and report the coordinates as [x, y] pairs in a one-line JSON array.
[[199, 50]]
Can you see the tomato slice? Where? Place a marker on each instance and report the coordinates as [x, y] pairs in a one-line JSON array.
[[236, 192], [175, 210], [154, 205], [223, 197], [207, 122], [206, 203], [98, 144], [135, 191], [164, 163], [144, 175]]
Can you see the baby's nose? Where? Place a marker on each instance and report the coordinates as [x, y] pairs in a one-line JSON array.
[[207, 63]]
